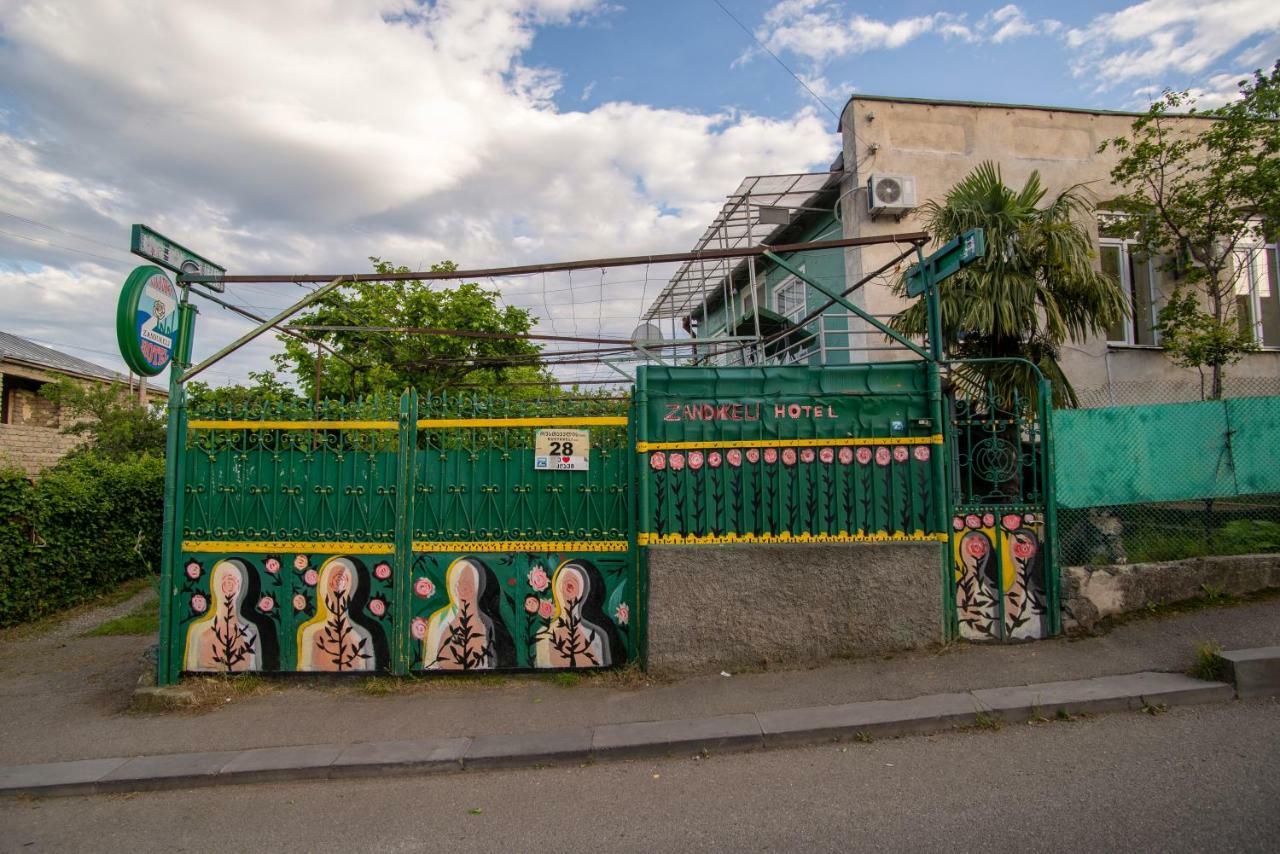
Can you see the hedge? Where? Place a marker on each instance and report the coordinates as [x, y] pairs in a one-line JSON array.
[[80, 529]]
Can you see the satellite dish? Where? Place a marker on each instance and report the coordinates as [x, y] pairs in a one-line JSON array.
[[646, 334]]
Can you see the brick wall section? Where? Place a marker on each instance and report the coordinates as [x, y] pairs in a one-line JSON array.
[[32, 448]]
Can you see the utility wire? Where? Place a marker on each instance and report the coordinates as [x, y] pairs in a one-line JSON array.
[[77, 235], [777, 59], [42, 242]]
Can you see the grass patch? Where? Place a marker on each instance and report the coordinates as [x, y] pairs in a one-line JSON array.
[[567, 679], [123, 593], [144, 620], [1208, 666]]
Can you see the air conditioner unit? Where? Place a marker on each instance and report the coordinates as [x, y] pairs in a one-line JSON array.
[[891, 194]]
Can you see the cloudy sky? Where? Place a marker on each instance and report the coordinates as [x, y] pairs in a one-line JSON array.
[[305, 135]]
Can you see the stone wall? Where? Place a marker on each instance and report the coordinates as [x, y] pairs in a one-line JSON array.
[[33, 448], [1092, 593], [714, 607]]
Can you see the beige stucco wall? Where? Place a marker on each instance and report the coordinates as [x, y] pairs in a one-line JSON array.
[[939, 144]]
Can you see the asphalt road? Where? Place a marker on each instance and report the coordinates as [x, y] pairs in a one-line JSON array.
[[1190, 779]]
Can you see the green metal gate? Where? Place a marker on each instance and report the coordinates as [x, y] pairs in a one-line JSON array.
[[1003, 551], [400, 535]]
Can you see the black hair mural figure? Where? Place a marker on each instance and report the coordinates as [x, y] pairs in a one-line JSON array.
[[468, 633], [238, 632], [580, 634], [977, 588], [341, 637]]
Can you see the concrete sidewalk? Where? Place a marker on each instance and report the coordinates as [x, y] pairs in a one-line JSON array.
[[781, 728], [65, 697]]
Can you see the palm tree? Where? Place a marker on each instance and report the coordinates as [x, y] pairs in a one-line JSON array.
[[1036, 289]]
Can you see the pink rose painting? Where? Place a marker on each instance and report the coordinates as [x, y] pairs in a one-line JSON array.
[[972, 521], [199, 604], [976, 546], [1011, 522], [864, 455], [531, 604], [538, 579], [299, 602], [734, 457], [883, 455], [714, 459], [382, 571], [988, 520], [193, 570], [310, 577], [546, 609], [377, 607], [418, 628], [623, 614], [957, 523], [1023, 549], [1030, 518], [846, 456], [789, 456], [266, 604], [695, 460], [657, 461], [921, 453], [272, 565], [901, 454], [424, 588], [807, 455], [770, 456], [677, 462], [753, 455], [827, 455]]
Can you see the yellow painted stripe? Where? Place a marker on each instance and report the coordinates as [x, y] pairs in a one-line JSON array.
[[271, 546], [581, 421], [291, 425], [785, 537], [521, 546], [791, 443]]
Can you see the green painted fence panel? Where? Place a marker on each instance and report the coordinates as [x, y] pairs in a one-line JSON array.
[[1255, 443], [787, 454], [1166, 452]]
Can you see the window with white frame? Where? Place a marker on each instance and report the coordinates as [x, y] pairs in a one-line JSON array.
[[1258, 294], [789, 298], [1127, 263]]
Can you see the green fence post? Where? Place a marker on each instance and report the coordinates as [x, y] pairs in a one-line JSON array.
[[406, 470], [168, 665], [1052, 581]]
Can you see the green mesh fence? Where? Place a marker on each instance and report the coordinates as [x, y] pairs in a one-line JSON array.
[[1168, 481]]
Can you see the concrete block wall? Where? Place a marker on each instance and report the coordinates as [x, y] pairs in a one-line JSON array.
[[721, 607]]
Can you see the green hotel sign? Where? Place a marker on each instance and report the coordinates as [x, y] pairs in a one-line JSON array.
[[947, 261], [147, 320], [174, 256]]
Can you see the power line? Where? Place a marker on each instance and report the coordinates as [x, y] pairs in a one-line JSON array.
[[765, 48], [83, 237], [43, 242]]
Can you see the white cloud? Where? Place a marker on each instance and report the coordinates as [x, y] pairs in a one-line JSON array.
[[820, 30], [1156, 38], [304, 135]]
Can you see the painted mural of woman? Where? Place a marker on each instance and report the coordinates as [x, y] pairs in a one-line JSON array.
[[339, 638], [580, 634], [1025, 602], [231, 637], [468, 633], [977, 590]]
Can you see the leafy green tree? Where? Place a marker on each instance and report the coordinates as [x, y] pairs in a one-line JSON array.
[[1035, 289], [264, 389], [109, 417], [490, 354], [1198, 192]]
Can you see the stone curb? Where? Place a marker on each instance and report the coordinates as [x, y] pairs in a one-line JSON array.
[[779, 728]]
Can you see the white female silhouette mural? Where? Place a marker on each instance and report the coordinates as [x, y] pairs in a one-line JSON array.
[[336, 638], [229, 638], [468, 633], [580, 634]]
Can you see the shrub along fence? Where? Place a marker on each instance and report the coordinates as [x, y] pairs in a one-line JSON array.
[[1168, 481], [83, 527]]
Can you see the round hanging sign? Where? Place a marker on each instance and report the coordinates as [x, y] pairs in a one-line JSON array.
[[147, 320]]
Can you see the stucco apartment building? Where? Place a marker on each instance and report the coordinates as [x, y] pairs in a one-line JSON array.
[[31, 436], [896, 154]]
